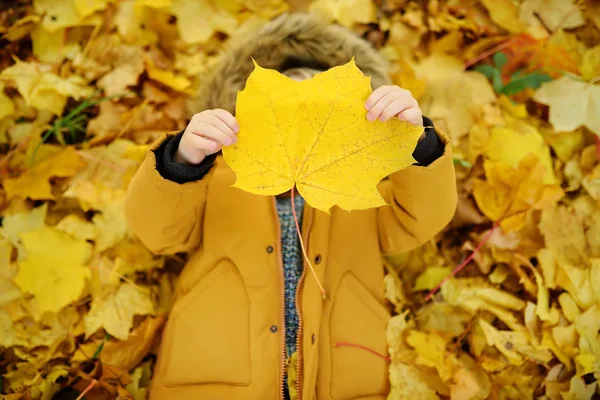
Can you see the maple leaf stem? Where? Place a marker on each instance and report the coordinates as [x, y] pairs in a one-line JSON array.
[[87, 389], [489, 52], [358, 346], [464, 263], [323, 293]]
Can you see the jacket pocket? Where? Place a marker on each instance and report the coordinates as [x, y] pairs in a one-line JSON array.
[[358, 318], [207, 340]]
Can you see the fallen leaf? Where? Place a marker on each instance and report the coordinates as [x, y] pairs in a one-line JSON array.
[[506, 14], [567, 113], [45, 90], [126, 354], [590, 63], [115, 311], [445, 81], [34, 183], [407, 383], [431, 352], [7, 107], [431, 277], [64, 271], [189, 12], [554, 13], [347, 12], [306, 150]]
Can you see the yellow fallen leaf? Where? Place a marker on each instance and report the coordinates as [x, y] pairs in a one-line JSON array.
[[346, 12], [45, 90], [7, 107], [133, 23], [431, 277], [580, 283], [564, 233], [506, 14], [580, 107], [445, 81], [475, 294], [585, 364], [554, 13], [126, 354], [16, 224], [396, 328], [514, 345], [407, 383], [568, 307], [470, 381], [77, 227], [34, 183], [189, 12], [431, 352], [115, 311], [110, 224], [590, 63], [509, 145], [588, 328], [508, 193], [135, 389], [55, 277], [314, 134], [579, 390], [168, 78], [8, 270], [88, 7]]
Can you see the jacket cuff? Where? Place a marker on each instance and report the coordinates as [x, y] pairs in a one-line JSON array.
[[177, 172], [430, 148]]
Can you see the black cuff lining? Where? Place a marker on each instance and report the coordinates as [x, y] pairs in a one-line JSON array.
[[180, 173], [430, 148]]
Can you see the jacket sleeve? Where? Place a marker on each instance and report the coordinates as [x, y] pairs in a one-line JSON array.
[[167, 215], [421, 201]]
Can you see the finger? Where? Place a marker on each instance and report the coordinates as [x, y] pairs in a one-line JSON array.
[[396, 107], [206, 146], [412, 115], [377, 95], [386, 100], [220, 125], [208, 131], [226, 117]]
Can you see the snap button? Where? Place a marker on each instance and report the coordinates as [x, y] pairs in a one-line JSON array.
[[318, 259], [312, 338], [273, 328], [270, 249]]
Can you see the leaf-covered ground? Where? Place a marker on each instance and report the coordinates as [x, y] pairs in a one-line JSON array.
[[85, 86]]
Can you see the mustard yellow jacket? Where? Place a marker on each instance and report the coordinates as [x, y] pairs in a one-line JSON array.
[[225, 337]]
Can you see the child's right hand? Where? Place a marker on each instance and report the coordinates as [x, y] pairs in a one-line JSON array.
[[206, 134]]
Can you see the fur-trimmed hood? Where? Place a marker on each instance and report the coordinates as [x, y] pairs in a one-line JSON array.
[[296, 36]]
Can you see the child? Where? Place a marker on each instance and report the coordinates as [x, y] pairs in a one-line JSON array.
[[244, 303]]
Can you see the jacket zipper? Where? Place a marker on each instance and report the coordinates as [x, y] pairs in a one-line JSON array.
[[280, 263], [300, 322]]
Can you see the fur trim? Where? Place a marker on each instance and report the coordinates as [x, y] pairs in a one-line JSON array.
[[298, 35]]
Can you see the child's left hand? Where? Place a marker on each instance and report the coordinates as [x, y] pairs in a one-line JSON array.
[[392, 101]]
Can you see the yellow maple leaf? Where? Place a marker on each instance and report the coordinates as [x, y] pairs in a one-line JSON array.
[[16, 224], [139, 376], [215, 19], [34, 183], [115, 311], [580, 107], [45, 90], [314, 134], [8, 270], [509, 194], [54, 269], [510, 144], [346, 12], [168, 78], [429, 278], [564, 233], [88, 7]]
